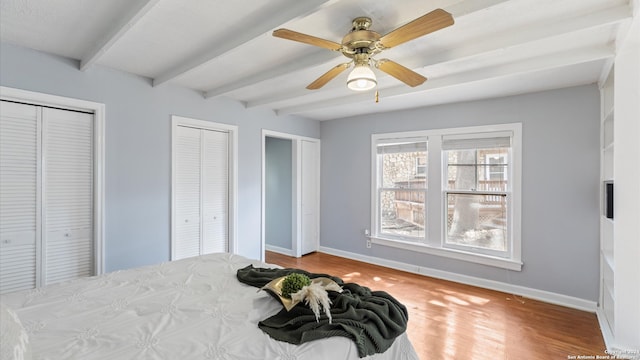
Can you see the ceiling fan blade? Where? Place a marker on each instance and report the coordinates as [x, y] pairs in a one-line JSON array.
[[328, 76], [307, 39], [428, 23], [400, 72]]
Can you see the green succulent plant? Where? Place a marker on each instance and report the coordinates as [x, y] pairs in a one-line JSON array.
[[293, 283]]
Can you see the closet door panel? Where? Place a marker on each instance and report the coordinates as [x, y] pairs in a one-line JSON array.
[[19, 195], [68, 195], [310, 190], [187, 188], [215, 194], [68, 254]]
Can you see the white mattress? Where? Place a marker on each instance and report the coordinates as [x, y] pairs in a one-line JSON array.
[[187, 310]]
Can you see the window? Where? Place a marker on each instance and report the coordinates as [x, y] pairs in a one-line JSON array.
[[402, 188], [459, 199], [477, 192]]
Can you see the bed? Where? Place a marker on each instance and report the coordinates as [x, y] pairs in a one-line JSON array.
[[191, 309]]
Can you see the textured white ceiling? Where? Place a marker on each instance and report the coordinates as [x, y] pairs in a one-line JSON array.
[[225, 47]]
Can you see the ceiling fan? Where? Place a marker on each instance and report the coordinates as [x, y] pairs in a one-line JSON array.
[[361, 44]]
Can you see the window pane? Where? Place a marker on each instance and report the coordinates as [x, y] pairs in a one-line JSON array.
[[477, 220], [495, 164], [478, 169], [402, 187], [402, 213], [461, 169], [403, 169]]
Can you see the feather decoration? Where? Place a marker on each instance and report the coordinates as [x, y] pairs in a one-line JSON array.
[[332, 286], [317, 298]]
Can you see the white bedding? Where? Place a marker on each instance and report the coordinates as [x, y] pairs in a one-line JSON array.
[[187, 309]]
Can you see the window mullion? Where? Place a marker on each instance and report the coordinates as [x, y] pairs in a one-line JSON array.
[[435, 177]]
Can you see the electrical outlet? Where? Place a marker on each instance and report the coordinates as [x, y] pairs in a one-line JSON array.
[[366, 232], [368, 243]]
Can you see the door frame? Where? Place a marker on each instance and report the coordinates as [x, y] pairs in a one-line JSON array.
[[232, 130], [98, 110], [296, 230]]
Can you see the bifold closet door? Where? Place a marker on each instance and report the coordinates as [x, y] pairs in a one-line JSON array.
[[19, 196], [68, 250], [46, 196], [201, 192]]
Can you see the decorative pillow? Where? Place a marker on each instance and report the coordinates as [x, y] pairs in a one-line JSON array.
[[14, 341]]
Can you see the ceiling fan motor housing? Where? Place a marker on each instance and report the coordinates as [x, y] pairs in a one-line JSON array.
[[360, 40]]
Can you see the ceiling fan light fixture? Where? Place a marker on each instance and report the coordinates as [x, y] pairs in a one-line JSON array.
[[361, 78], [361, 44]]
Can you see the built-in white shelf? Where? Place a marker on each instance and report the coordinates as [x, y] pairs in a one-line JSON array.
[[607, 163], [606, 240], [607, 130], [607, 255]]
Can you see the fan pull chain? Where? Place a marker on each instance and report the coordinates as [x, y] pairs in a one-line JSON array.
[[377, 97]]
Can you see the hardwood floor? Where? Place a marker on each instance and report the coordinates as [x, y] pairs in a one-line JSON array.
[[448, 320]]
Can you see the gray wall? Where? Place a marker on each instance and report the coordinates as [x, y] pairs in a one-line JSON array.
[[279, 192], [560, 186], [138, 148], [560, 168]]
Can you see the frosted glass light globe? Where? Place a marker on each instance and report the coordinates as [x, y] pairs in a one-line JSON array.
[[361, 78]]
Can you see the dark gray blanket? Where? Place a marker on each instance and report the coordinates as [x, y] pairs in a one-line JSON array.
[[372, 319]]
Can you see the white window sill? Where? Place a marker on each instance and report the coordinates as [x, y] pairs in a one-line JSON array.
[[510, 264]]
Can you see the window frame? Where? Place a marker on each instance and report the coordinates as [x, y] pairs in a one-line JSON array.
[[433, 242]]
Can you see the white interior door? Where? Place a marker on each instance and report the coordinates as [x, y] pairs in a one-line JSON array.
[[19, 196], [310, 166]]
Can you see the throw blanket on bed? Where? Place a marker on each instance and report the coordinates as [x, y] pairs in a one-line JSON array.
[[372, 319]]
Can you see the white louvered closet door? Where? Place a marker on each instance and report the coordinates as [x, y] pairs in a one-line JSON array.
[[187, 188], [68, 195], [19, 196], [46, 196], [201, 192], [215, 191]]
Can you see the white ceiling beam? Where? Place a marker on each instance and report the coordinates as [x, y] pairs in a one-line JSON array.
[[531, 35], [546, 30], [280, 97], [309, 60], [243, 33], [470, 6], [125, 23], [531, 65]]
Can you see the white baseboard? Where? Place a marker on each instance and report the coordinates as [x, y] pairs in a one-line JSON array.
[[615, 350], [546, 296], [280, 250], [607, 335]]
